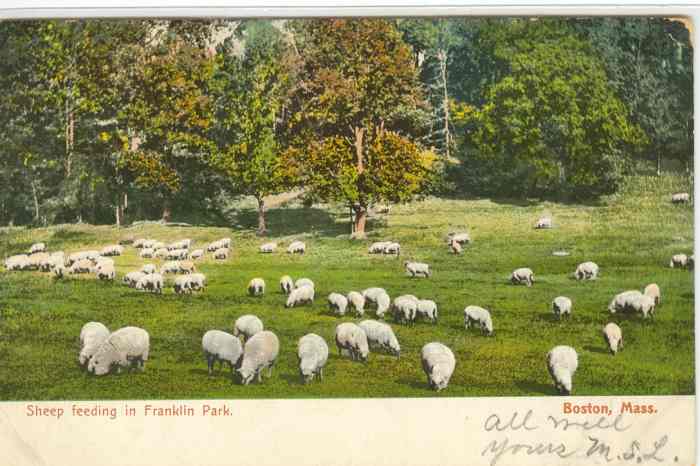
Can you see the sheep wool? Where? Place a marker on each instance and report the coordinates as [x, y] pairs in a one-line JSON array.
[[197, 281], [381, 335], [357, 301], [427, 309], [296, 247], [148, 269], [522, 276], [680, 198], [256, 287], [268, 248], [544, 223], [438, 362], [312, 351], [455, 247], [405, 308], [82, 266], [301, 295], [561, 306], [679, 261], [106, 272], [170, 267], [613, 337], [246, 326], [182, 285], [37, 247], [260, 352], [377, 247], [417, 269], [221, 254], [350, 338], [132, 278], [337, 303], [653, 291], [392, 248], [92, 335], [475, 315], [623, 301], [187, 267], [197, 254], [461, 238], [286, 284], [222, 347], [112, 250], [123, 348], [562, 362], [586, 271], [152, 282]]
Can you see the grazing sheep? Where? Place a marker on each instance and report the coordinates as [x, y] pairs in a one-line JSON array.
[[378, 297], [428, 309], [352, 339], [222, 347], [679, 261], [138, 243], [106, 272], [286, 284], [246, 326], [561, 306], [147, 253], [543, 223], [92, 335], [623, 301], [643, 304], [37, 247], [49, 263], [182, 285], [181, 244], [613, 337], [268, 248], [103, 262], [312, 351], [438, 363], [59, 271], [151, 244], [337, 303], [221, 254], [256, 287], [197, 281], [301, 295], [378, 247], [177, 254], [297, 247], [77, 256], [112, 250], [459, 238], [586, 271], [357, 301], [126, 241], [304, 282], [392, 249], [415, 269], [187, 267], [405, 308], [152, 282], [222, 243], [475, 315], [381, 335], [132, 278], [82, 266], [197, 254], [653, 291], [35, 260], [259, 352], [562, 362], [122, 348], [680, 198], [148, 269], [170, 267], [17, 262], [161, 253], [522, 276], [455, 247]]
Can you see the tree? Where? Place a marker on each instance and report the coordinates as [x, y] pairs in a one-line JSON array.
[[353, 125]]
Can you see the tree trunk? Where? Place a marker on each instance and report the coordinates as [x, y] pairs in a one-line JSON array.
[[117, 215], [658, 163], [167, 212], [360, 222], [358, 227], [262, 227], [36, 202], [442, 57]]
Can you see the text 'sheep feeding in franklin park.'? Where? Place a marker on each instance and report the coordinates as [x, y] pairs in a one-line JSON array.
[[145, 410]]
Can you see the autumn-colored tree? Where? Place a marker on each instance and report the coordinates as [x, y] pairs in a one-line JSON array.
[[352, 130]]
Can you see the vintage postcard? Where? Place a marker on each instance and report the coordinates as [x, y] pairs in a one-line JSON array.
[[398, 240]]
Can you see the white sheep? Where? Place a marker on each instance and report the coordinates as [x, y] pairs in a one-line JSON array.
[[82, 266], [455, 247], [357, 301], [653, 291], [381, 335], [459, 238], [428, 309], [613, 337], [182, 285], [161, 253], [187, 267], [35, 260], [415, 269], [259, 352], [405, 308], [138, 243], [222, 347], [286, 284], [59, 271], [312, 351], [393, 248], [543, 223], [106, 272], [151, 244], [587, 271], [378, 297], [475, 315], [112, 250], [197, 281], [561, 306], [247, 325], [221, 254], [643, 304], [680, 198], [378, 247], [438, 363], [152, 282], [177, 254], [122, 348], [337, 303], [148, 269], [268, 248], [302, 295], [296, 247], [304, 282], [350, 338], [218, 244], [679, 261], [181, 244], [170, 267], [17, 262], [92, 335], [132, 278], [147, 253], [623, 301], [256, 287], [197, 254], [37, 247], [562, 362], [522, 276], [103, 262]]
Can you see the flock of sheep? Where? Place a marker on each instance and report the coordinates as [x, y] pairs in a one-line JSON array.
[[251, 349]]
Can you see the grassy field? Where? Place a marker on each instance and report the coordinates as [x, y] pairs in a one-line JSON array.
[[630, 235]]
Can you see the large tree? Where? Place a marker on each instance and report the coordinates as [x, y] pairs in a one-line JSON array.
[[356, 116]]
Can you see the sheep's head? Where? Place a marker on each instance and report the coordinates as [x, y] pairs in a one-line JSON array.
[[437, 380], [563, 376], [99, 365], [306, 370], [245, 374]]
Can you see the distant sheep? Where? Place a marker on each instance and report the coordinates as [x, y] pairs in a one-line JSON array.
[[92, 335], [259, 353], [543, 223], [378, 297], [357, 301], [197, 254], [304, 282], [37, 247], [221, 254], [417, 269], [82, 266], [380, 335], [297, 247], [679, 261], [653, 291], [623, 301], [286, 284], [644, 305], [106, 272], [138, 243], [459, 238], [77, 256], [132, 278], [301, 295], [152, 282], [680, 198], [112, 250], [312, 351], [148, 268], [187, 267], [351, 339], [219, 244], [455, 247], [256, 287], [587, 271], [337, 303], [17, 262], [405, 308], [161, 253], [170, 267], [438, 362], [561, 306], [268, 248], [222, 347], [475, 315], [392, 248], [182, 285], [147, 253], [123, 348], [181, 244], [562, 362], [613, 337], [427, 309], [177, 254], [197, 281], [378, 247], [522, 276], [247, 325]]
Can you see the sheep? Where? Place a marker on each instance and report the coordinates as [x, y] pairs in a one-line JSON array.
[[679, 261], [221, 254], [613, 337], [350, 338], [246, 326], [522, 276], [35, 260], [543, 223], [378, 297], [148, 269], [475, 315], [222, 243], [562, 362], [103, 262], [643, 304], [304, 282], [197, 254], [82, 266], [415, 269], [182, 285], [381, 335], [170, 267], [223, 347], [256, 287], [92, 335], [296, 247], [46, 263], [587, 271], [187, 267], [312, 351], [151, 244], [455, 247], [177, 254], [259, 352], [393, 249], [301, 295], [122, 348], [653, 291], [106, 272], [37, 247], [337, 303], [405, 308], [151, 282], [59, 271], [126, 241], [196, 281], [112, 250], [428, 309], [680, 198], [459, 238], [561, 306], [182, 244], [17, 262], [286, 284], [132, 278], [268, 248], [378, 247], [623, 301], [138, 243], [147, 253], [161, 253], [357, 301], [438, 363]]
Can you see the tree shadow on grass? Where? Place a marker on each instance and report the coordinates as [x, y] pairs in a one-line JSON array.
[[292, 379], [224, 373], [596, 349], [70, 235], [416, 384], [536, 387]]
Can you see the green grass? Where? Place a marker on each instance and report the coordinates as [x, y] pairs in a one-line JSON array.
[[631, 236]]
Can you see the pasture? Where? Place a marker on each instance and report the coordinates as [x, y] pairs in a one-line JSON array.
[[631, 236]]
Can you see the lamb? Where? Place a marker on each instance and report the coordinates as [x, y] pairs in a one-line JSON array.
[[623, 301], [392, 248], [37, 247], [304, 282], [221, 254], [286, 284], [438, 363], [106, 272], [197, 281], [459, 238], [148, 269], [378, 247], [679, 261], [187, 267], [268, 248], [296, 247], [561, 306], [222, 347], [543, 223], [301, 295], [152, 282], [357, 301], [415, 269], [112, 250], [92, 335], [337, 303], [82, 266], [680, 198], [522, 276], [17, 262], [122, 348], [653, 291], [352, 339], [562, 362], [475, 315], [381, 335], [259, 352], [246, 326], [613, 337], [455, 247], [587, 271], [170, 267], [147, 253], [177, 254], [197, 254], [256, 287], [312, 351], [405, 309]]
